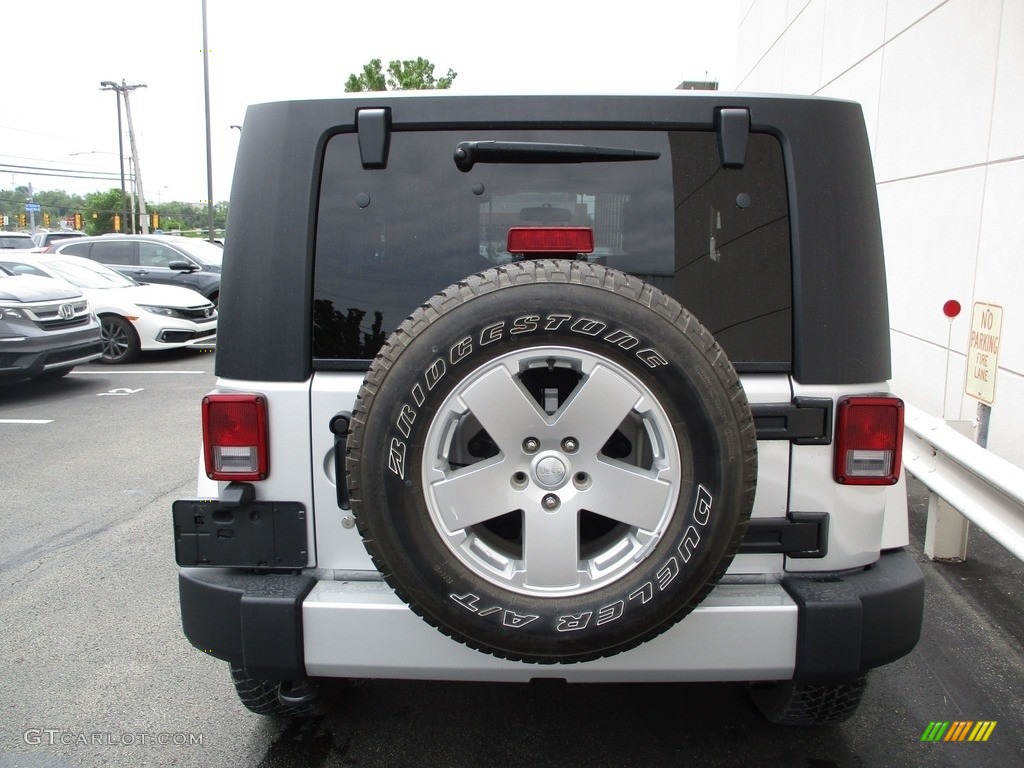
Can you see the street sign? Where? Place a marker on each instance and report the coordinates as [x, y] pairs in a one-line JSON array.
[[30, 207], [983, 352]]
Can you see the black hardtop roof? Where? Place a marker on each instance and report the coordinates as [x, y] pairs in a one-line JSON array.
[[839, 288]]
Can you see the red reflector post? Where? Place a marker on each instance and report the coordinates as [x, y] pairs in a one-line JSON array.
[[235, 439], [869, 441], [550, 240]]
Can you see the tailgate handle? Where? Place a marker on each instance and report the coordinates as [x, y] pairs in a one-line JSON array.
[[339, 427]]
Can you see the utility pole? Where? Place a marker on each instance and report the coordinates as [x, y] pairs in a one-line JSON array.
[[209, 150], [32, 211], [125, 89], [110, 85]]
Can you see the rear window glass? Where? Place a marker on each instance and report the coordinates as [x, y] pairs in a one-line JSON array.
[[53, 237], [16, 241], [716, 240], [115, 252], [77, 249]]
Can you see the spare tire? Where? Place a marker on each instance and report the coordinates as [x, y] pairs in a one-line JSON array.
[[552, 461]]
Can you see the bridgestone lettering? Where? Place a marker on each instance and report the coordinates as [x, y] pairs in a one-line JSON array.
[[520, 327]]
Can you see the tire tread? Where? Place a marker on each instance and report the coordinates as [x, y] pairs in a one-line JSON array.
[[791, 704]]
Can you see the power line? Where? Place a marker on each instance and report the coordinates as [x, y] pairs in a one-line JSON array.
[[51, 168], [74, 176], [67, 173], [40, 159], [35, 133]]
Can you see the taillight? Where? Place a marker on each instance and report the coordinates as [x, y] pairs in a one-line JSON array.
[[869, 440], [525, 240], [235, 437]]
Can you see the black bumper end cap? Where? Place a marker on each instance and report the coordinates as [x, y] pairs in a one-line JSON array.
[[853, 623], [250, 620]]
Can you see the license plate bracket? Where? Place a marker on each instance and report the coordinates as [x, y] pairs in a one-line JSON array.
[[256, 534]]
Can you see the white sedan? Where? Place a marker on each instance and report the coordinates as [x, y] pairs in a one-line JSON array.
[[133, 317]]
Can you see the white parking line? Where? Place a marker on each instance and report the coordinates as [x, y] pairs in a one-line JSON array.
[[108, 373], [26, 421]]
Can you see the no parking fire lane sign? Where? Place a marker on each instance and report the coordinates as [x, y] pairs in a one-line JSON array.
[[983, 352]]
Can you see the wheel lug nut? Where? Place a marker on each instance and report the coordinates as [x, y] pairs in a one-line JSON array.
[[550, 502], [570, 445], [531, 445]]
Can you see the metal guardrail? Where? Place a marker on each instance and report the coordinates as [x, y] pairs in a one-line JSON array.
[[986, 489]]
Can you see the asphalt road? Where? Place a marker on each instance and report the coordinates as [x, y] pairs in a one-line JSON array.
[[94, 669]]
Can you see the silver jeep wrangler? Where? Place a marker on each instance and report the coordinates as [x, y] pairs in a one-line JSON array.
[[588, 388]]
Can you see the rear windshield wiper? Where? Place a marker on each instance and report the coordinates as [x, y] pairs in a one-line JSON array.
[[468, 153]]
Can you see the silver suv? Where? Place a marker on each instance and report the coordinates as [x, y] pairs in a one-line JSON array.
[[187, 262], [585, 388], [46, 239], [46, 328]]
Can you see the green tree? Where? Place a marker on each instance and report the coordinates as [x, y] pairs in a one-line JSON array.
[[59, 205], [12, 203], [99, 210], [407, 75], [220, 215], [370, 79]]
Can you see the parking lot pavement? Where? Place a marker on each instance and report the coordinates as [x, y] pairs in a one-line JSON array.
[[92, 645], [81, 452]]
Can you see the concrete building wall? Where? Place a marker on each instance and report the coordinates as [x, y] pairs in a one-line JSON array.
[[941, 83]]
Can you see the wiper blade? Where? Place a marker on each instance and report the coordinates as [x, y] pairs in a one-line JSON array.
[[468, 153]]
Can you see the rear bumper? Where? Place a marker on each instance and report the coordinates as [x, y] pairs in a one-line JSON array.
[[814, 631]]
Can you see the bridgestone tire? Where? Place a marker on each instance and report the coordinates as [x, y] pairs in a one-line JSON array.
[[552, 461], [786, 703], [260, 696]]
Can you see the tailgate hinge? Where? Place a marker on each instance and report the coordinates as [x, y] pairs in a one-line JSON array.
[[374, 129], [805, 421], [733, 127]]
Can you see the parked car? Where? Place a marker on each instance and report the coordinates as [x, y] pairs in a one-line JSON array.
[[16, 240], [46, 239], [46, 327], [168, 259], [133, 317]]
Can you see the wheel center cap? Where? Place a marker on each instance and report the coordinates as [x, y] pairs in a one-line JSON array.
[[550, 471]]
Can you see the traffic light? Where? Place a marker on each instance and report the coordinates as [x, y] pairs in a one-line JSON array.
[[46, 220], [21, 220], [78, 221], [117, 222], [154, 221]]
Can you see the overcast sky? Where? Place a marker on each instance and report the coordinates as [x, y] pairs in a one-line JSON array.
[[55, 116]]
